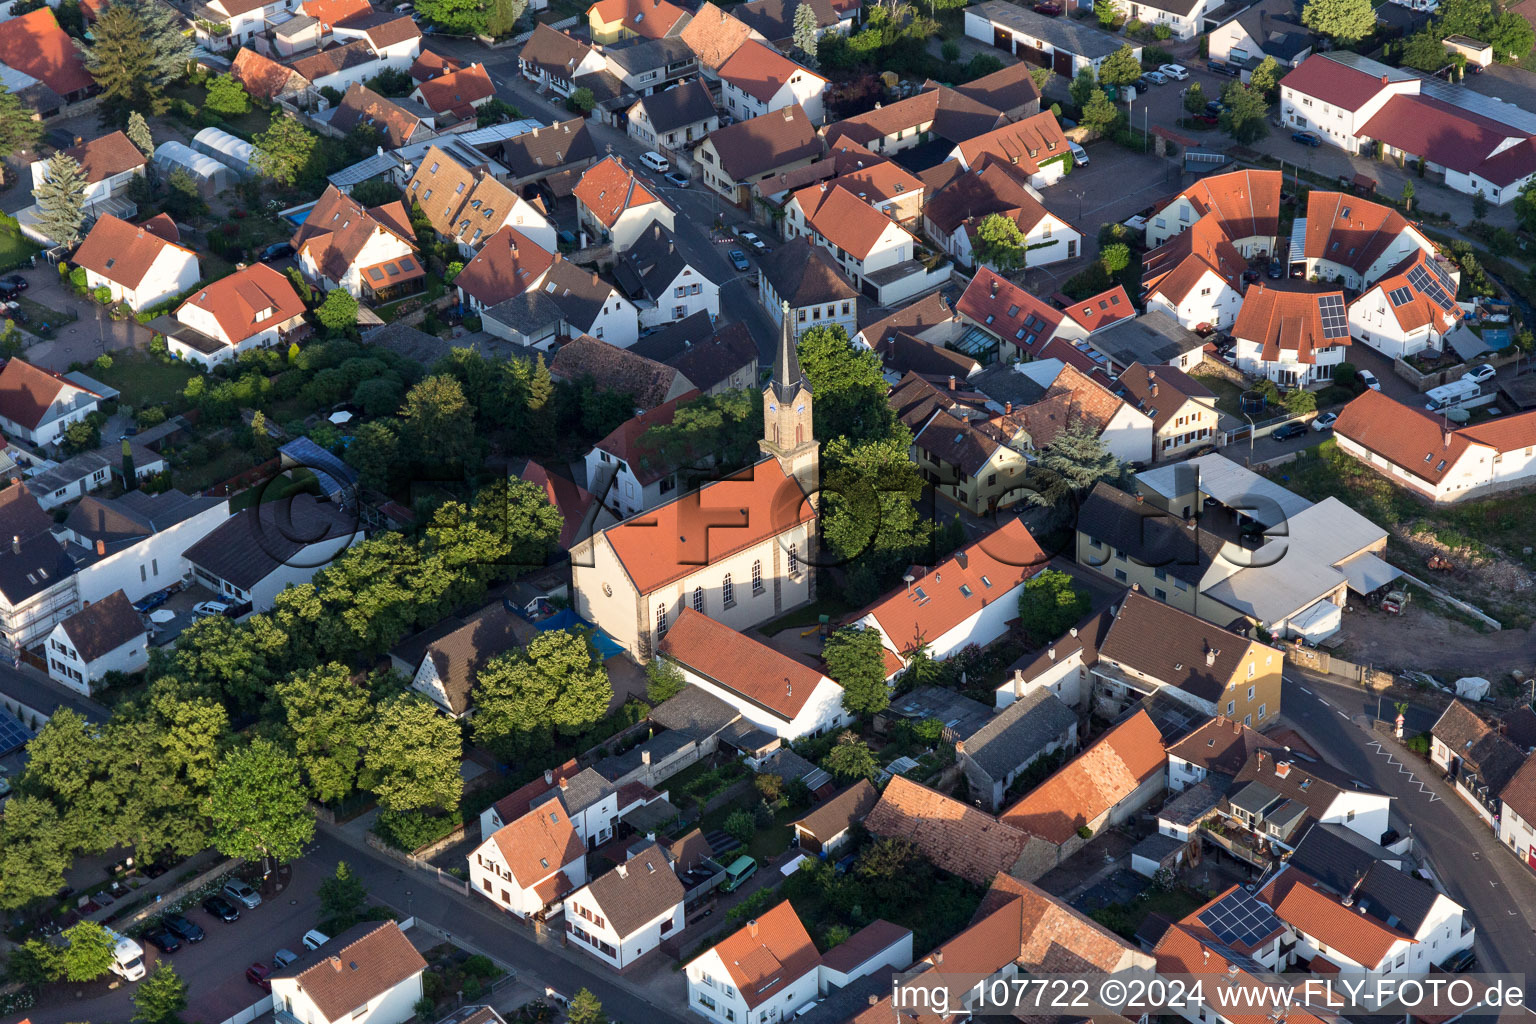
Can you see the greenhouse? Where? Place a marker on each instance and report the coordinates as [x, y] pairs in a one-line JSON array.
[[227, 149], [211, 176]]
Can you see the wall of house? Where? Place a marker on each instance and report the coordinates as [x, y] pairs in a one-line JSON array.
[[990, 789], [392, 1007], [1365, 814], [585, 934], [490, 878], [172, 273], [302, 569], [1210, 301], [614, 484], [1372, 322], [898, 956], [152, 563], [427, 681], [843, 313], [63, 411], [26, 624], [691, 292], [712, 994], [1066, 678], [1125, 570], [1519, 835], [66, 667], [823, 712], [1288, 371]]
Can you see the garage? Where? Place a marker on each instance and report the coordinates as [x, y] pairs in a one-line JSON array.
[[1063, 43], [1063, 65]]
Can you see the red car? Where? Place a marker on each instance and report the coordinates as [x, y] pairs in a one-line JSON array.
[[1047, 7], [259, 974], [1207, 119]]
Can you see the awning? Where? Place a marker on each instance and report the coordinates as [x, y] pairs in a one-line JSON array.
[[1367, 572], [393, 272]]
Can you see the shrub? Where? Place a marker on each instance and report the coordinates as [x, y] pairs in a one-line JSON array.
[[408, 831], [740, 826], [1161, 32], [1419, 744], [1085, 832]]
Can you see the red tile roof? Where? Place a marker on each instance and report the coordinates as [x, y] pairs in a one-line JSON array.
[[1452, 137], [844, 219], [1174, 268], [761, 71], [651, 19], [1091, 783], [539, 843], [1055, 937], [954, 836], [1418, 309], [365, 962], [714, 35], [521, 800], [1179, 951], [110, 154], [1285, 322], [624, 441], [1405, 435], [572, 500], [162, 225], [338, 228], [974, 577], [1504, 434], [1334, 83], [719, 519], [1245, 203], [458, 91], [248, 302], [433, 65], [27, 391], [34, 44], [1024, 144], [122, 252], [768, 954], [608, 189], [1346, 229], [1099, 311], [1519, 794], [1302, 902], [329, 12], [507, 264], [762, 675], [1008, 311], [1161, 391], [261, 76]]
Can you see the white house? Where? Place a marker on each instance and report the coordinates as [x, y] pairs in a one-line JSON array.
[[862, 239], [662, 283], [1280, 797], [780, 695], [1410, 309], [968, 599], [622, 915], [141, 265], [369, 974], [805, 276], [625, 474], [254, 557], [227, 24], [105, 636], [444, 661], [369, 253], [1245, 205], [953, 216], [1035, 148], [529, 864], [39, 405], [1517, 826], [252, 308], [136, 541], [1292, 338], [109, 164], [1337, 937], [765, 971], [471, 205], [614, 205], [1196, 276], [1352, 241], [757, 80], [393, 36], [1061, 669], [553, 60], [1184, 18]]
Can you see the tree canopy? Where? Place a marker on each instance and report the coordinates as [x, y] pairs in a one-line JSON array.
[[259, 808], [524, 696], [856, 661], [1121, 67], [412, 757], [1245, 113], [999, 243], [61, 199], [1049, 605], [122, 60], [849, 386], [286, 151], [1345, 21]]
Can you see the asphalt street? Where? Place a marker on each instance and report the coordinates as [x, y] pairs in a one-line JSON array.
[[1498, 891]]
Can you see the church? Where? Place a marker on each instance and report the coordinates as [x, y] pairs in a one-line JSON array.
[[741, 549]]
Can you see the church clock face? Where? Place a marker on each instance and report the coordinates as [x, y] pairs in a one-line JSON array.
[[800, 409], [772, 407]]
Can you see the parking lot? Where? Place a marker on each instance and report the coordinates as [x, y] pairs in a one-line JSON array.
[[213, 969]]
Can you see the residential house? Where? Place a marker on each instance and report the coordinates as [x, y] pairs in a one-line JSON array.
[[1183, 410], [328, 12], [1409, 309], [289, 34], [38, 588], [805, 278], [135, 541], [1196, 277], [226, 24], [775, 692], [579, 510], [1244, 205], [974, 607], [937, 113], [878, 255], [1035, 149], [712, 360], [1476, 759], [866, 954], [589, 305], [531, 863], [1008, 322], [1152, 339], [1362, 106], [264, 77], [398, 124], [368, 974], [1034, 726], [757, 80], [1334, 934], [953, 216], [253, 557], [661, 283], [1065, 45], [928, 319], [830, 825], [627, 474], [89, 471], [1275, 798], [903, 354], [774, 20], [39, 405], [981, 467], [107, 636], [1292, 338], [340, 66], [553, 156], [1116, 776], [615, 206], [455, 96], [633, 588], [470, 205], [444, 661], [138, 264], [1215, 752], [35, 47], [1183, 18], [1055, 936], [714, 35], [770, 966], [734, 157], [611, 21], [553, 60], [1517, 826], [1062, 668], [108, 163], [1352, 241], [508, 264], [643, 67], [950, 834], [1422, 452], [1267, 29], [255, 307], [884, 184], [393, 36], [620, 916], [368, 253], [648, 383], [674, 118]]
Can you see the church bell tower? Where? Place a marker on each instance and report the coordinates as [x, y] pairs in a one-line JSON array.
[[787, 433]]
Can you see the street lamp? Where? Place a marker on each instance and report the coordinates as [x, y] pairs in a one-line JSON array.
[[1250, 434]]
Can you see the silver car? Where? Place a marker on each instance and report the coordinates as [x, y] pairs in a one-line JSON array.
[[242, 894]]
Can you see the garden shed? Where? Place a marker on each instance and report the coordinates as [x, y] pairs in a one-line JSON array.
[[211, 176], [227, 149]]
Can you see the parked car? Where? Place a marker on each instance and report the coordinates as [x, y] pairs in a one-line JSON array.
[[1325, 421], [1306, 139], [1079, 154], [207, 609], [1480, 373], [13, 311], [738, 260], [183, 929], [750, 238], [1463, 961], [1222, 67], [1048, 9], [1156, 77], [152, 601], [259, 974], [1276, 270], [243, 894], [222, 909], [1213, 107], [315, 938], [1369, 380], [675, 179], [1288, 431], [1177, 72], [741, 869], [1209, 119], [276, 251], [161, 939], [14, 283], [283, 957]]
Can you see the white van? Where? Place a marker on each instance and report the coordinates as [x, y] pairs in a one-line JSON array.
[[127, 956], [655, 161]]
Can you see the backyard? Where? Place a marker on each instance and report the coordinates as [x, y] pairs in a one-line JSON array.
[[15, 248], [149, 381]]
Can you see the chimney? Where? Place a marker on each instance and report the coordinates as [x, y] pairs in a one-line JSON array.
[[1282, 769], [1136, 588], [1051, 653], [951, 382], [1151, 386], [960, 746], [789, 687], [938, 957], [1007, 408], [549, 777], [1140, 498], [994, 287], [565, 784], [1210, 657], [335, 963], [1260, 755], [15, 544], [1383, 79], [961, 559], [1074, 631], [101, 548], [874, 999], [645, 757], [752, 927], [623, 870], [1447, 439]]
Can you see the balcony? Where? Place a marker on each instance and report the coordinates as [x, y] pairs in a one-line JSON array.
[[1238, 842]]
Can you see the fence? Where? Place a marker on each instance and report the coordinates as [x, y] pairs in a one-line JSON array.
[[453, 882], [1325, 663], [168, 897], [250, 1013]]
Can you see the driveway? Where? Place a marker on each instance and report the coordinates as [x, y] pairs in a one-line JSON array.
[[84, 339]]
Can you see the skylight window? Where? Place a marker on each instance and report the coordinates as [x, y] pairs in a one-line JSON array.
[[965, 591], [986, 582]]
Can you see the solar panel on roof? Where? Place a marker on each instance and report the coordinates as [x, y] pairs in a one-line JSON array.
[[1238, 918], [1431, 284], [13, 735], [1398, 296], [1335, 322]]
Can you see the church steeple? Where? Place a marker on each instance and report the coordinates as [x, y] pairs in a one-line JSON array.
[[787, 378], [787, 434]]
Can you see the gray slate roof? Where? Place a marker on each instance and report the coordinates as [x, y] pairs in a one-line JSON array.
[[1061, 33], [696, 712], [646, 271], [529, 313], [249, 546], [1153, 339], [678, 107], [1019, 733]]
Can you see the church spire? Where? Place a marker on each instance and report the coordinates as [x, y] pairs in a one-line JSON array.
[[787, 378]]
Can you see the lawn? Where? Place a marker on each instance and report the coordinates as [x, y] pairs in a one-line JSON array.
[[809, 615], [768, 841], [15, 248], [147, 381], [300, 481], [1124, 918], [1227, 393], [228, 463]]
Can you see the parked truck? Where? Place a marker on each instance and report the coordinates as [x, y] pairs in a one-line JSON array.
[[127, 956]]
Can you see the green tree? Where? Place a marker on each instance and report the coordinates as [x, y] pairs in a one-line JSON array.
[[1479, 205], [160, 998], [1511, 37], [1100, 115], [849, 385], [1115, 257], [226, 96], [338, 313], [121, 58], [740, 826], [1424, 50], [1300, 401], [34, 851], [556, 682], [258, 804], [86, 953], [19, 128], [501, 17], [61, 199], [438, 422], [1525, 205], [850, 758], [999, 243], [412, 757], [1265, 79], [327, 718], [1408, 194], [1465, 17], [286, 151], [375, 452], [663, 681], [261, 440], [1194, 99], [1121, 67], [1244, 116], [343, 900], [581, 101], [712, 433], [1070, 463], [1344, 21], [1108, 12], [856, 661], [869, 512], [461, 16], [168, 39], [1082, 87], [1049, 605], [806, 39], [585, 1009]]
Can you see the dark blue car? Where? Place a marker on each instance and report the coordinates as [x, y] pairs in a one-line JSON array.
[[153, 601], [1306, 139]]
